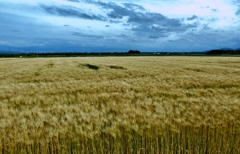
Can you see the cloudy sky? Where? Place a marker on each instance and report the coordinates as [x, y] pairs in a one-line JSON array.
[[119, 25]]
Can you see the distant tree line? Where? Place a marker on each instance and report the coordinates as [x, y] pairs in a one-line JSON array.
[[65, 54], [223, 52], [129, 53], [134, 52], [68, 54]]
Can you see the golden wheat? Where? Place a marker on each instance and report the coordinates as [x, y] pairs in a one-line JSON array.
[[120, 105]]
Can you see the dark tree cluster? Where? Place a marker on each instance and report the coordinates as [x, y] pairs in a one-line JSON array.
[[134, 52], [223, 52]]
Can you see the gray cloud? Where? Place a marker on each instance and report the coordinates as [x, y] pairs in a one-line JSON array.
[[88, 36], [15, 25], [139, 19], [117, 12], [238, 12], [159, 26], [192, 18], [73, 0], [123, 35], [67, 11], [133, 6], [208, 39], [152, 24], [124, 25], [214, 10], [237, 2], [156, 36]]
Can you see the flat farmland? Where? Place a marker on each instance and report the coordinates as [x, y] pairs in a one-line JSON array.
[[120, 105]]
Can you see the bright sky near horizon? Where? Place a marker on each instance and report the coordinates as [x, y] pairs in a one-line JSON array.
[[119, 25]]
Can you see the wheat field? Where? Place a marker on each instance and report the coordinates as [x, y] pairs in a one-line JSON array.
[[120, 105]]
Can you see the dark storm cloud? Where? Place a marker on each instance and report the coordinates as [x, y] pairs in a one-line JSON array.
[[157, 25], [192, 18], [139, 19], [117, 12], [149, 17], [66, 11], [154, 25]]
